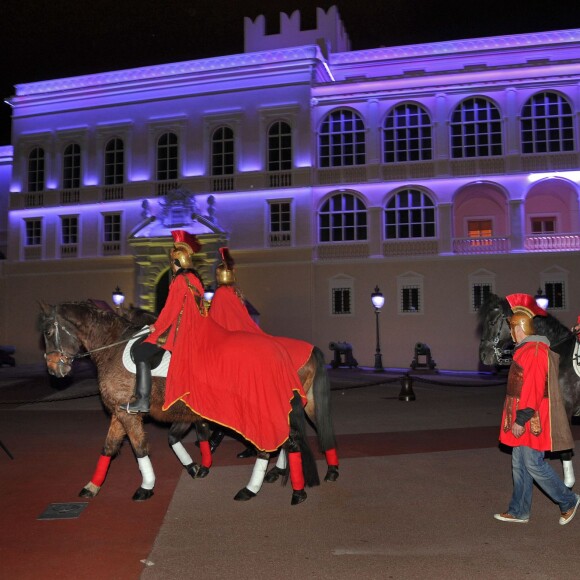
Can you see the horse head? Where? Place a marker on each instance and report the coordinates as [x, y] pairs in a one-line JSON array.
[[496, 340], [60, 339]]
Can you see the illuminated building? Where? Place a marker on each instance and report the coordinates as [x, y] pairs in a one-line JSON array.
[[438, 171]]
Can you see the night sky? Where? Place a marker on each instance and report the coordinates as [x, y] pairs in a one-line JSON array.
[[49, 39]]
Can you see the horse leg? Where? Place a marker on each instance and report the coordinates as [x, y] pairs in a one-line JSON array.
[[318, 410], [280, 469], [258, 474], [568, 467], [133, 425], [112, 445], [203, 434], [177, 432]]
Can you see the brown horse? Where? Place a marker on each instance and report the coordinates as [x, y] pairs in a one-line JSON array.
[[70, 327]]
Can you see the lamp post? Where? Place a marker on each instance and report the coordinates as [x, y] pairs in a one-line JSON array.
[[118, 298], [378, 301], [541, 299]]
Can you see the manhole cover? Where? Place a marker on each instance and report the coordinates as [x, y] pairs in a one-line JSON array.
[[63, 511]]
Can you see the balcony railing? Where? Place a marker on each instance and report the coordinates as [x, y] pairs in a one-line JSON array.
[[68, 250], [164, 187], [222, 183], [476, 246], [280, 239], [280, 179], [68, 196], [113, 192], [552, 243]]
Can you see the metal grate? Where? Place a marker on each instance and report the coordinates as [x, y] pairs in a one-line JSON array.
[[63, 511]]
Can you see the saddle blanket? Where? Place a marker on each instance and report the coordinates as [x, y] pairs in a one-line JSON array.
[[576, 358], [159, 371]]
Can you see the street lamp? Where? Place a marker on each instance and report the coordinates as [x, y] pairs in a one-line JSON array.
[[541, 299], [208, 293], [378, 301], [118, 298]]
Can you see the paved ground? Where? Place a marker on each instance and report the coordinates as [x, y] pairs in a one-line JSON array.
[[420, 481]]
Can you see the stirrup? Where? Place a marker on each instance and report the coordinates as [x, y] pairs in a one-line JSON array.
[[132, 411]]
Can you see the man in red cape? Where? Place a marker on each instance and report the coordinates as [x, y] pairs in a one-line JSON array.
[[533, 418], [240, 380]]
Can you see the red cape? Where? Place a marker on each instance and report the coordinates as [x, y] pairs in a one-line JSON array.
[[242, 380], [228, 310]]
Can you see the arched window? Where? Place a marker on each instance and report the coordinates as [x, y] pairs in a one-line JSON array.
[[341, 141], [342, 217], [280, 147], [167, 157], [114, 162], [410, 213], [476, 129], [71, 167], [547, 124], [407, 135], [222, 152], [36, 170]]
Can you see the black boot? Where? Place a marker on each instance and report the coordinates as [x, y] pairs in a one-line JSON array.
[[215, 439], [142, 390]]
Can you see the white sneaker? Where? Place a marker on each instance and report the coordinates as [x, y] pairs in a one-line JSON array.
[[506, 517], [569, 515]]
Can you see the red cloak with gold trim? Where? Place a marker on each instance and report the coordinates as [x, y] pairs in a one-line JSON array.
[[228, 309], [241, 380]]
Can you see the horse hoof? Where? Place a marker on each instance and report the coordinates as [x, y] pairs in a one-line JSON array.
[[244, 494], [142, 494], [87, 493], [274, 474], [332, 473], [192, 469], [202, 472], [298, 496]]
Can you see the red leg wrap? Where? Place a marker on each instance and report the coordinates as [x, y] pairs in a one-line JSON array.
[[296, 473], [101, 470], [205, 454], [331, 457]]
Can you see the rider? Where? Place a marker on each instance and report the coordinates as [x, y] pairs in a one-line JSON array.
[[164, 331], [534, 419]]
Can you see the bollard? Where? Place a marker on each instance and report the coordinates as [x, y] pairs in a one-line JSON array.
[[406, 393]]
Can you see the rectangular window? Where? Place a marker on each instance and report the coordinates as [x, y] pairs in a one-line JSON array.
[[280, 223], [112, 228], [341, 301], [544, 225], [33, 232], [479, 229], [411, 299], [479, 294], [556, 293], [69, 230]]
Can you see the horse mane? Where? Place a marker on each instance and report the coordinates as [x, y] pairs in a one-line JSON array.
[[550, 327], [492, 302]]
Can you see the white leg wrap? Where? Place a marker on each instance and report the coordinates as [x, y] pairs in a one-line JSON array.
[[182, 454], [281, 462], [569, 477], [258, 475], [146, 469]]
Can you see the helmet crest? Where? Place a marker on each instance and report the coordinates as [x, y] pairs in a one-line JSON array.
[[185, 245]]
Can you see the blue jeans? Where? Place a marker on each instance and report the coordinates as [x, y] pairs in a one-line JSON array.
[[528, 465]]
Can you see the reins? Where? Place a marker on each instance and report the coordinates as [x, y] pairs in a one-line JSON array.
[[65, 356]]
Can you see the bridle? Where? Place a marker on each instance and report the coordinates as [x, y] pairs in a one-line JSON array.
[[498, 353], [63, 358]]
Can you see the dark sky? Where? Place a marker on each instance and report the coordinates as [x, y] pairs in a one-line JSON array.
[[48, 39]]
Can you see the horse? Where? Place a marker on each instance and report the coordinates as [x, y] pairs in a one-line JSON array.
[[312, 374], [496, 340], [70, 327]]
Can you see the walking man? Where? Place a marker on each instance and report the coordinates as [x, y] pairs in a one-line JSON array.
[[534, 419]]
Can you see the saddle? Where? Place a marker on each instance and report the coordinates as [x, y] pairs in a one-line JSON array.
[[159, 363]]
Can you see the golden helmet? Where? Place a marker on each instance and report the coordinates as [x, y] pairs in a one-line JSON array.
[[185, 245], [224, 273], [524, 318]]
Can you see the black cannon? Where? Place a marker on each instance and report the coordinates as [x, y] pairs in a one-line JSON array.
[[422, 358], [6, 357], [342, 355]]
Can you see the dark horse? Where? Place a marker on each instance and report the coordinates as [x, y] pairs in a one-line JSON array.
[[72, 327], [496, 340]]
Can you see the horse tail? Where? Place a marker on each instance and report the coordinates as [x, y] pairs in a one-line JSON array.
[[298, 430], [321, 389]]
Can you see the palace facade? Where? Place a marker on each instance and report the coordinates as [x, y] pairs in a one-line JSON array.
[[437, 172]]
